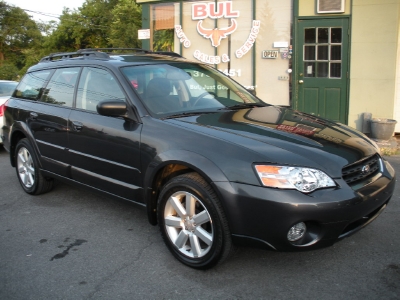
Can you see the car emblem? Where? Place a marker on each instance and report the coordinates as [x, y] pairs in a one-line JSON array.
[[365, 169]]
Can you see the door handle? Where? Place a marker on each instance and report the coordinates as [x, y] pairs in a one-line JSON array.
[[301, 81], [77, 125], [33, 115]]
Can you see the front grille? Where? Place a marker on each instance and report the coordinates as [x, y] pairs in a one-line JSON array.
[[361, 170]]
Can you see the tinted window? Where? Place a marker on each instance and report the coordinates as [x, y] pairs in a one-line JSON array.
[[96, 85], [168, 89], [31, 85], [60, 89]]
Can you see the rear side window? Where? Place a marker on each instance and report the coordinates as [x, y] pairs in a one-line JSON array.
[[31, 85], [61, 87], [96, 85]]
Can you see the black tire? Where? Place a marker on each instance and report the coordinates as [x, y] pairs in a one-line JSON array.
[[28, 172], [196, 232]]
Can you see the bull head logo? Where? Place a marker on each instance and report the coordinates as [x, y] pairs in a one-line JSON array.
[[216, 35]]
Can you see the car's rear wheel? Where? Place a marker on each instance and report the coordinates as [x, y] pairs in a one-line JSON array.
[[192, 222], [29, 176]]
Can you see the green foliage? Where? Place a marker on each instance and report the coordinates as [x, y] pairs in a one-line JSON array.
[[163, 40], [18, 32], [96, 24], [8, 72], [126, 21]]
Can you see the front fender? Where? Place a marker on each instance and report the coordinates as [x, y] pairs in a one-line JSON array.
[[198, 163]]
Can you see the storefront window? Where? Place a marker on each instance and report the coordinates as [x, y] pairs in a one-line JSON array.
[[163, 22]]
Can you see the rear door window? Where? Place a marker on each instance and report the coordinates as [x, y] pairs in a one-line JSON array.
[[61, 87]]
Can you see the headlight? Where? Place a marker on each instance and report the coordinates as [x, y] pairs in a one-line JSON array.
[[302, 179]]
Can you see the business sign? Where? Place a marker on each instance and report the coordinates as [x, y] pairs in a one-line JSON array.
[[212, 10], [144, 34]]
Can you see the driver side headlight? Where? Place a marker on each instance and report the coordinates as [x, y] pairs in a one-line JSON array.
[[304, 180]]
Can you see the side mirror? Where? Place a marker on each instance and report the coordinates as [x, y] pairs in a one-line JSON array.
[[112, 108]]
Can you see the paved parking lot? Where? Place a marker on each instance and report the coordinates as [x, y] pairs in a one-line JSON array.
[[71, 244]]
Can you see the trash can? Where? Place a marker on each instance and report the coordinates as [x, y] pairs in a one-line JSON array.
[[382, 129]]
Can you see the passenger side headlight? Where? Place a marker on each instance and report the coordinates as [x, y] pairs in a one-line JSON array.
[[304, 180]]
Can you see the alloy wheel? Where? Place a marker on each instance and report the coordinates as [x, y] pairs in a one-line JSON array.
[[188, 224], [26, 167]]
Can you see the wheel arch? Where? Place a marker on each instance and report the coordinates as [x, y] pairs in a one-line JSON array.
[[20, 131], [173, 163]]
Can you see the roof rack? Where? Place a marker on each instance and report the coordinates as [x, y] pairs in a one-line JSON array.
[[98, 52], [65, 55], [110, 50], [169, 53]]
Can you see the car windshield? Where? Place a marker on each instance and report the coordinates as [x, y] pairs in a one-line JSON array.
[[178, 89], [7, 88]]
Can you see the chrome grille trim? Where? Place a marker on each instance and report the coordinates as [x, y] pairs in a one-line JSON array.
[[362, 169]]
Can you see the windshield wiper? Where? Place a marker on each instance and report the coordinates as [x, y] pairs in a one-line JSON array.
[[188, 114], [244, 105]]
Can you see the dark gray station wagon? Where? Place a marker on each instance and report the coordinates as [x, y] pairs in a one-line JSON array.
[[212, 163]]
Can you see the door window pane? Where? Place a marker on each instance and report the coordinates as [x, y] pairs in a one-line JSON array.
[[336, 35], [322, 69], [309, 69], [309, 52], [323, 35], [336, 52], [336, 69], [61, 87], [323, 58], [31, 85], [309, 35], [96, 85], [322, 52]]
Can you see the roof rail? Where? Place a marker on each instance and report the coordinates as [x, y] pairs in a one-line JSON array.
[[109, 50], [98, 52], [64, 55], [169, 53]]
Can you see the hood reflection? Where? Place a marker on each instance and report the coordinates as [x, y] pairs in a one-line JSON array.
[[274, 124]]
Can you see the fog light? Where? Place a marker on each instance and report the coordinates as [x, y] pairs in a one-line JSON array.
[[296, 232]]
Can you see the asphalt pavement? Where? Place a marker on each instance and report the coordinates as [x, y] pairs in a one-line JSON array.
[[72, 244]]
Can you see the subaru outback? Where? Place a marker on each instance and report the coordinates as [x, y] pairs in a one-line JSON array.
[[213, 164]]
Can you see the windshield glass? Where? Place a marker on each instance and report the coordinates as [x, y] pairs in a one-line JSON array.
[[179, 88]]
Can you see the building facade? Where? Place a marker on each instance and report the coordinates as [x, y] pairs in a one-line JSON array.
[[336, 59]]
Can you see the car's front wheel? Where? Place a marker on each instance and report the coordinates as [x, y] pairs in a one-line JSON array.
[[192, 222], [27, 166]]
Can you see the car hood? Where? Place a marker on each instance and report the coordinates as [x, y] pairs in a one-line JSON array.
[[320, 142]]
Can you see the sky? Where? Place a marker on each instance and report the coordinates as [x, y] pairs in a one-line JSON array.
[[48, 7]]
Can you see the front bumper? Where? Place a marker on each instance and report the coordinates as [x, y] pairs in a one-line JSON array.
[[259, 215]]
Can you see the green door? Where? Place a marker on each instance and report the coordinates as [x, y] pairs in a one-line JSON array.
[[322, 68]]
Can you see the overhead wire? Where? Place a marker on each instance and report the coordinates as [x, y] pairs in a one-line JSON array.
[[57, 16]]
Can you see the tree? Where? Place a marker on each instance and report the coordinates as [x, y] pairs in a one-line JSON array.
[[126, 21], [97, 24], [18, 32], [8, 72], [68, 34], [163, 40]]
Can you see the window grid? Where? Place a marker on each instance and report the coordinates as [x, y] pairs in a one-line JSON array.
[[322, 52]]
